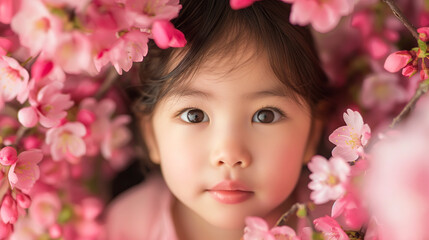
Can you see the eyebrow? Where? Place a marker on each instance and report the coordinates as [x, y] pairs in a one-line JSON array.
[[189, 92]]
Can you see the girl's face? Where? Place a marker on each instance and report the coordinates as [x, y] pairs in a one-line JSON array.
[[230, 143]]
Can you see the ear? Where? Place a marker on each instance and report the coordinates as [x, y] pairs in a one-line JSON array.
[[313, 139], [148, 135]]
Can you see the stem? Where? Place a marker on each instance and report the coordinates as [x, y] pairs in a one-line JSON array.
[[422, 89], [107, 83], [20, 133], [286, 215], [397, 12]]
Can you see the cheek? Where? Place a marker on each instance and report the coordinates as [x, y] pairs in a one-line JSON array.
[[181, 157]]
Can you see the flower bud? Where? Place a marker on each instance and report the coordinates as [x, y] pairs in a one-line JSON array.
[[8, 210], [8, 156], [409, 70], [423, 33], [397, 60], [5, 230], [23, 200], [86, 117]]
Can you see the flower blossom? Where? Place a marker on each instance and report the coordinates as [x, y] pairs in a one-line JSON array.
[[323, 15], [350, 139], [45, 208], [48, 107], [330, 228], [257, 228], [382, 91], [66, 141], [25, 172], [107, 135], [36, 27], [144, 12], [328, 178], [351, 211], [397, 184], [13, 81], [131, 47]]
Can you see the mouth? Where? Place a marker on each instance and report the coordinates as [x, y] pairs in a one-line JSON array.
[[230, 192]]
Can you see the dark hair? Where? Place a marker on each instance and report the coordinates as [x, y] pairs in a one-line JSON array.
[[211, 27]]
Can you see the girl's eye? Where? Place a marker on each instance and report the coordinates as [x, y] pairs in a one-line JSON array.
[[194, 116], [267, 116]]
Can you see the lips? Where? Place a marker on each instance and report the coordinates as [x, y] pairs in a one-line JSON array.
[[230, 192]]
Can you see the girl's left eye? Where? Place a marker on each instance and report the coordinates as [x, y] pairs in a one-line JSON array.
[[267, 115]]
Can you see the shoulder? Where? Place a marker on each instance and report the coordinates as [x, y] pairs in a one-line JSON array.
[[132, 215]]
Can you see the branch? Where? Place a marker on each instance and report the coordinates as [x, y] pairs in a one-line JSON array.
[[111, 77], [397, 12], [286, 215], [422, 89]]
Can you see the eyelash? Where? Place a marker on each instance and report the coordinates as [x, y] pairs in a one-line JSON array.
[[282, 113]]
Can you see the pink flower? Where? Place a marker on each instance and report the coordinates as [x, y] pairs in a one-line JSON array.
[[397, 60], [423, 33], [25, 172], [144, 12], [382, 91], [328, 178], [8, 156], [330, 228], [351, 211], [45, 208], [73, 53], [8, 210], [165, 35], [48, 107], [323, 15], [131, 47], [66, 141], [36, 27], [116, 139], [257, 228], [397, 184], [5, 230], [7, 10], [239, 4], [350, 139], [13, 81]]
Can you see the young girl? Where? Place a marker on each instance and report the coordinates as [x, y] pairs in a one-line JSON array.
[[230, 120]]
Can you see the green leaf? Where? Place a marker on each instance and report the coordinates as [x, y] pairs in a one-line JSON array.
[[423, 48]]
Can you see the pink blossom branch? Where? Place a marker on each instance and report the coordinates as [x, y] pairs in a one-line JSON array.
[[422, 89], [398, 13]]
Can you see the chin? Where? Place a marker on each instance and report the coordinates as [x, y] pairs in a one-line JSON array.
[[230, 221]]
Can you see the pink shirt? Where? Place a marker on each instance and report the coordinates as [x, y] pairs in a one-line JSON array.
[[142, 213]]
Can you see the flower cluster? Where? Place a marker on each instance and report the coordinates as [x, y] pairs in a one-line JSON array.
[[63, 131]]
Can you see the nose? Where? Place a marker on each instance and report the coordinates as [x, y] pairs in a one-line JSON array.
[[231, 152]]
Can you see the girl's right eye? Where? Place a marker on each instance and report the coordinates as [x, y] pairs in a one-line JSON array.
[[194, 116]]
